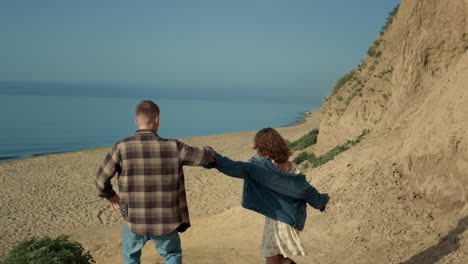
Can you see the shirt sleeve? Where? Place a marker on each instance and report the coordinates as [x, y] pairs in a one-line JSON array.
[[195, 156], [110, 166]]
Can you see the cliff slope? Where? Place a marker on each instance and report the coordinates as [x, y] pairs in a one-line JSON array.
[[413, 85], [401, 195]]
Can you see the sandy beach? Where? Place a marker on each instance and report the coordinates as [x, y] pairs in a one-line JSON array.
[[371, 218], [55, 194]]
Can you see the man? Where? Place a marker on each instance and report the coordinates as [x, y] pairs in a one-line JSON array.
[[152, 197]]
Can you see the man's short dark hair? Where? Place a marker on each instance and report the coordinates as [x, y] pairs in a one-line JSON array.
[[147, 108]]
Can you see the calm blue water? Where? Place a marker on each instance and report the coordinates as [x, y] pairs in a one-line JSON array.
[[36, 125]]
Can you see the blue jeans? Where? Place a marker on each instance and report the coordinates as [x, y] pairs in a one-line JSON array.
[[168, 246]]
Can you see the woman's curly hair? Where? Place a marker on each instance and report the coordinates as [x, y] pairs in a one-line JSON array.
[[271, 145]]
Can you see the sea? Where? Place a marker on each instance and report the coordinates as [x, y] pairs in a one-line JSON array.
[[33, 125]]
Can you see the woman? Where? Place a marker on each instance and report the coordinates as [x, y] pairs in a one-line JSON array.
[[273, 187]]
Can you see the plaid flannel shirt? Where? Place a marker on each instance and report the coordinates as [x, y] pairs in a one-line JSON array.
[[151, 181]]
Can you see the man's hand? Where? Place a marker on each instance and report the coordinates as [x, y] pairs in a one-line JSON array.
[[115, 202]]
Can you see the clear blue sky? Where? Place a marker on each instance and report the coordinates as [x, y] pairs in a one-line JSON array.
[[292, 49]]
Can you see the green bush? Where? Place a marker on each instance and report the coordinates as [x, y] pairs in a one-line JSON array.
[[48, 251], [311, 158], [383, 73], [331, 154], [358, 138], [347, 77], [387, 96], [371, 51], [301, 157], [305, 141], [390, 19]]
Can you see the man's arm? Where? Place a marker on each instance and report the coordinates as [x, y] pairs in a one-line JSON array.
[[106, 172], [194, 156]]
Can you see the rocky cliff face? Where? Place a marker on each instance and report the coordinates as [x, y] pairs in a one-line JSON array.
[[413, 86]]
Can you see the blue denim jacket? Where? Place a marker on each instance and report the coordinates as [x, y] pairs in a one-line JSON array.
[[272, 192]]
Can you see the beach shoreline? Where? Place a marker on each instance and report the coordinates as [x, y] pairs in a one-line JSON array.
[[55, 194], [27, 156]]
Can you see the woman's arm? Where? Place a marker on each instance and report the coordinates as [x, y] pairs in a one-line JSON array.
[[291, 185], [314, 198], [236, 169]]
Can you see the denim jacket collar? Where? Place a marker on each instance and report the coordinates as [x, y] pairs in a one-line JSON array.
[[268, 164]]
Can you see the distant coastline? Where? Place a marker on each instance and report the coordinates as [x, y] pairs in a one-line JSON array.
[[140, 90], [301, 120], [298, 121], [11, 158]]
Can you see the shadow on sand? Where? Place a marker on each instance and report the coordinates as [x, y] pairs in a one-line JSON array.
[[447, 244]]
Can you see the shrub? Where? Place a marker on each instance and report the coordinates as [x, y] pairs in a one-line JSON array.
[[331, 154], [301, 157], [360, 137], [387, 96], [48, 251], [383, 73], [311, 158], [361, 65], [305, 141], [390, 19], [343, 80], [371, 51]]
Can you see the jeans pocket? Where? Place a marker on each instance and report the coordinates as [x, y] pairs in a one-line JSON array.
[[124, 211]]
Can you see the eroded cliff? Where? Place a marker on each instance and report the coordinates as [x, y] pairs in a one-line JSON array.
[[412, 88]]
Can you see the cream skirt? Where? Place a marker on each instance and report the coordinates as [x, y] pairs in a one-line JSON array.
[[280, 238]]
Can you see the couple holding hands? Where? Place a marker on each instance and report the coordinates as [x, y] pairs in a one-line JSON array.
[[152, 197]]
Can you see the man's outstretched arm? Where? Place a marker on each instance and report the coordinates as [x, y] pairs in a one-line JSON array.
[[195, 156]]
